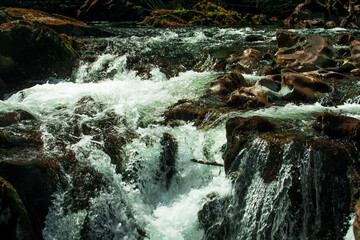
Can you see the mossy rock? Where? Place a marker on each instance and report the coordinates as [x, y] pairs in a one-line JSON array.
[[14, 219]]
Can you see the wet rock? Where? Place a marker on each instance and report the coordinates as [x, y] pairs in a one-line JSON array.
[[254, 38], [212, 217], [59, 23], [313, 9], [304, 88], [15, 117], [356, 223], [64, 7], [345, 39], [202, 14], [113, 10], [338, 126], [239, 132], [86, 183], [35, 182], [167, 168], [88, 106], [312, 53], [34, 52], [330, 24], [355, 47], [223, 86], [287, 39], [14, 219]]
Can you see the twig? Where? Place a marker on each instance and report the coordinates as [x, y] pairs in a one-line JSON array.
[[207, 163]]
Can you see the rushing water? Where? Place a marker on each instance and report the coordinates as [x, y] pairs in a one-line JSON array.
[[114, 80]]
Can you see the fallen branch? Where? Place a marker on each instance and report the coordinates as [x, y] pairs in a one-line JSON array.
[[207, 163]]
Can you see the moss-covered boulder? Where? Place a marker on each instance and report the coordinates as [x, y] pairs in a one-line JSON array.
[[33, 52], [57, 22], [202, 14]]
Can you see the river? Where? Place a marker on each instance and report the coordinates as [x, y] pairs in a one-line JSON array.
[[136, 76]]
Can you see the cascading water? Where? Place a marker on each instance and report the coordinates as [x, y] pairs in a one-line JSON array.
[[131, 83]]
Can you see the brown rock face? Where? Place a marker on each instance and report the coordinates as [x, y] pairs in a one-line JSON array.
[[239, 131], [311, 53], [338, 126], [59, 23], [287, 39], [304, 88], [223, 86]]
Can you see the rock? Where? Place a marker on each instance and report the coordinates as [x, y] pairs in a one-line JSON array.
[[313, 9], [286, 39], [167, 166], [59, 23], [64, 7], [2, 86], [330, 24], [313, 52], [246, 62], [211, 217], [356, 223], [345, 39], [253, 38], [35, 182], [202, 14], [223, 86], [239, 132], [34, 52], [355, 47], [15, 117], [113, 10], [14, 219], [86, 183], [303, 88], [338, 126]]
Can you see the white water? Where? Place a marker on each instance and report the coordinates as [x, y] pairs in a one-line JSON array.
[[139, 103]]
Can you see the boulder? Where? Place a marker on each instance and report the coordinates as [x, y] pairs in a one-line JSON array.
[[15, 222], [245, 62], [239, 132], [113, 10], [286, 39], [303, 88], [35, 182], [338, 126], [224, 85], [167, 166], [311, 53], [201, 14], [34, 52], [57, 22], [356, 223], [314, 9]]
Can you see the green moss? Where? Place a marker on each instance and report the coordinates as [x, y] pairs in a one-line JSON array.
[[69, 44]]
